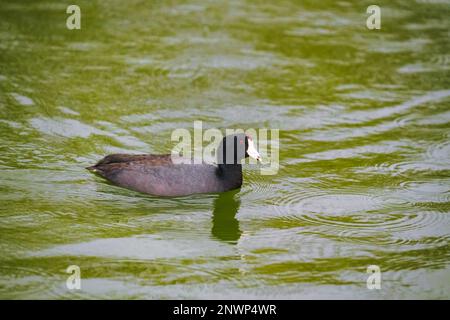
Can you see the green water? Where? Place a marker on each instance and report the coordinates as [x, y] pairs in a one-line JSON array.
[[364, 173]]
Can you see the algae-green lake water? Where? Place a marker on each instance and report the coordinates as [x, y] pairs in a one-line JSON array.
[[364, 158]]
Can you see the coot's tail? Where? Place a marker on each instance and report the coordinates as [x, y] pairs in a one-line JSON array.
[[96, 169], [99, 170], [92, 168]]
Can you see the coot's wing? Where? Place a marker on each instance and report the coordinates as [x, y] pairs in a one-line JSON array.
[[149, 159], [165, 180]]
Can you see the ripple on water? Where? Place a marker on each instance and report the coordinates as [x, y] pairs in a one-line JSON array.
[[384, 115], [147, 247], [25, 282], [427, 228], [256, 186], [157, 260], [432, 191], [386, 147], [434, 158], [307, 202], [72, 128], [439, 153], [22, 100], [377, 217]]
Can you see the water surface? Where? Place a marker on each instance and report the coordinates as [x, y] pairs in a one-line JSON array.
[[364, 173]]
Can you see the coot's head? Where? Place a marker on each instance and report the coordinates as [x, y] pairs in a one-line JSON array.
[[236, 147]]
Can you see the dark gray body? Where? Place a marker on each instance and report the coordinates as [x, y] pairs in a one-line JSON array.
[[168, 179], [164, 175]]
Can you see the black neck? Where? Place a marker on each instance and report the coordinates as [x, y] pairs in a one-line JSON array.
[[231, 174], [230, 168]]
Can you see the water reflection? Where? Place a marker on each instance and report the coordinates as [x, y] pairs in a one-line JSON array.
[[225, 226]]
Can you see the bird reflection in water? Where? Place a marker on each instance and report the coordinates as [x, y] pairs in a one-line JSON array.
[[225, 226]]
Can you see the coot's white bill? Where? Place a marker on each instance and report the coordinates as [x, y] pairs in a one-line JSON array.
[[252, 152]]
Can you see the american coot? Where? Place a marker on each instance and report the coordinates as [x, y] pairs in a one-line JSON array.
[[159, 175]]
